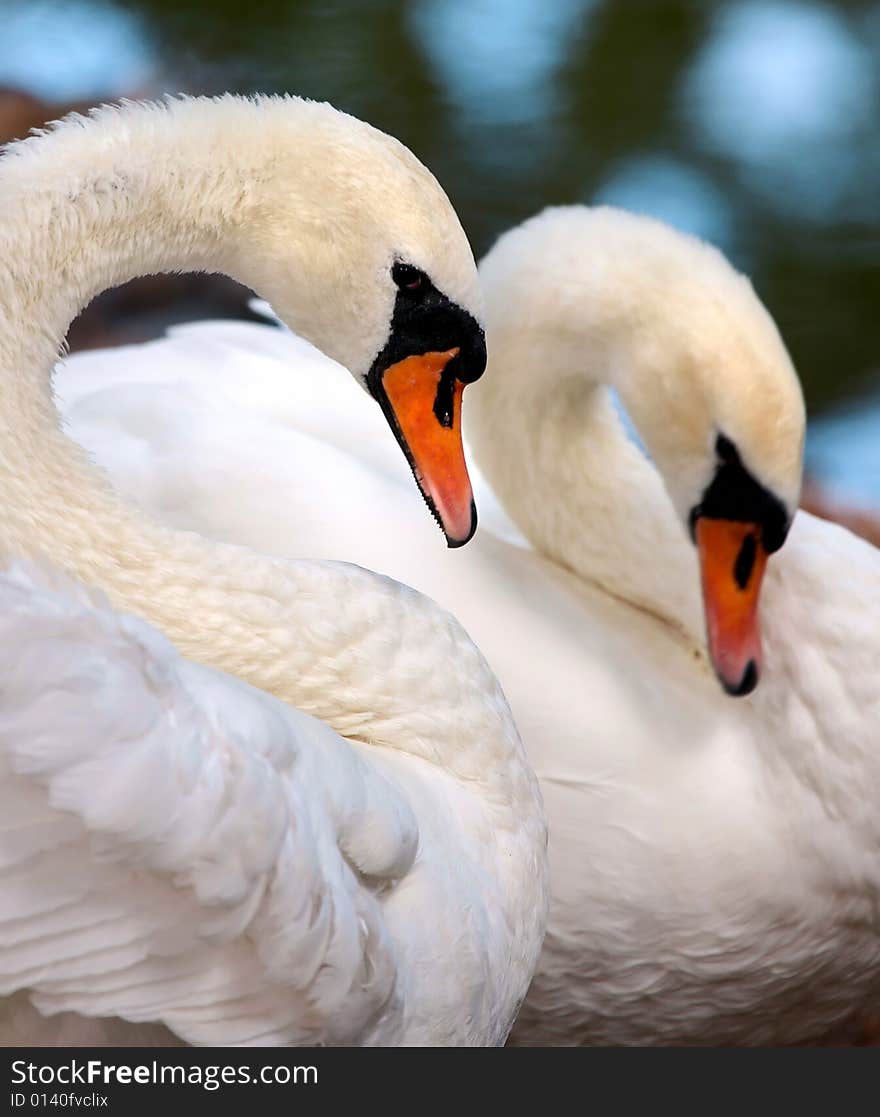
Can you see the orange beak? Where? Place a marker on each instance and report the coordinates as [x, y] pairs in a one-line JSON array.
[[423, 405], [732, 563]]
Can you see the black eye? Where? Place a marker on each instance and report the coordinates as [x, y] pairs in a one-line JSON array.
[[408, 278]]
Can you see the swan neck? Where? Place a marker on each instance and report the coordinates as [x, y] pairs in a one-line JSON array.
[[570, 477], [143, 191], [135, 191], [89, 208]]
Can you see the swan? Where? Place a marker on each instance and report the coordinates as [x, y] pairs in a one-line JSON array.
[[713, 867], [308, 818]]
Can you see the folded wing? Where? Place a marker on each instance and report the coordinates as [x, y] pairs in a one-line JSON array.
[[177, 847]]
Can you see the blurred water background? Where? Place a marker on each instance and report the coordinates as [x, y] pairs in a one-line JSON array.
[[754, 123]]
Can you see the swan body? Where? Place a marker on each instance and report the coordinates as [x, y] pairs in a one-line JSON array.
[[180, 846], [713, 867], [309, 817]]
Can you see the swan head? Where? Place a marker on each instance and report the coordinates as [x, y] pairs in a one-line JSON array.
[[358, 249], [721, 410], [702, 372]]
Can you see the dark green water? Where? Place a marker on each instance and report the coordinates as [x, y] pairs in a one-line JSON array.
[[754, 123]]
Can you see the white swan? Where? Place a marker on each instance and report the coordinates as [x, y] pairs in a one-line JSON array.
[[178, 849], [713, 860]]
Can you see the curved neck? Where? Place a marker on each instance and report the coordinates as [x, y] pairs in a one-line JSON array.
[[578, 300], [146, 189], [138, 190], [568, 475]]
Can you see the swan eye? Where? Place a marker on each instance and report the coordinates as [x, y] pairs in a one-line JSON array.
[[408, 278]]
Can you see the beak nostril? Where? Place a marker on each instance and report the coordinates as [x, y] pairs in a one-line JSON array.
[[444, 401], [745, 561]]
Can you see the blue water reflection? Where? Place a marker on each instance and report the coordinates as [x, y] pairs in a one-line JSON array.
[[498, 59], [843, 453], [790, 91], [65, 51], [674, 192]]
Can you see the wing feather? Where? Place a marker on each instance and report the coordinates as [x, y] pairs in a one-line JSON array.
[[177, 847]]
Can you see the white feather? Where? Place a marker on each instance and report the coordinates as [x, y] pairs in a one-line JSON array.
[[713, 860], [179, 847], [358, 859]]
